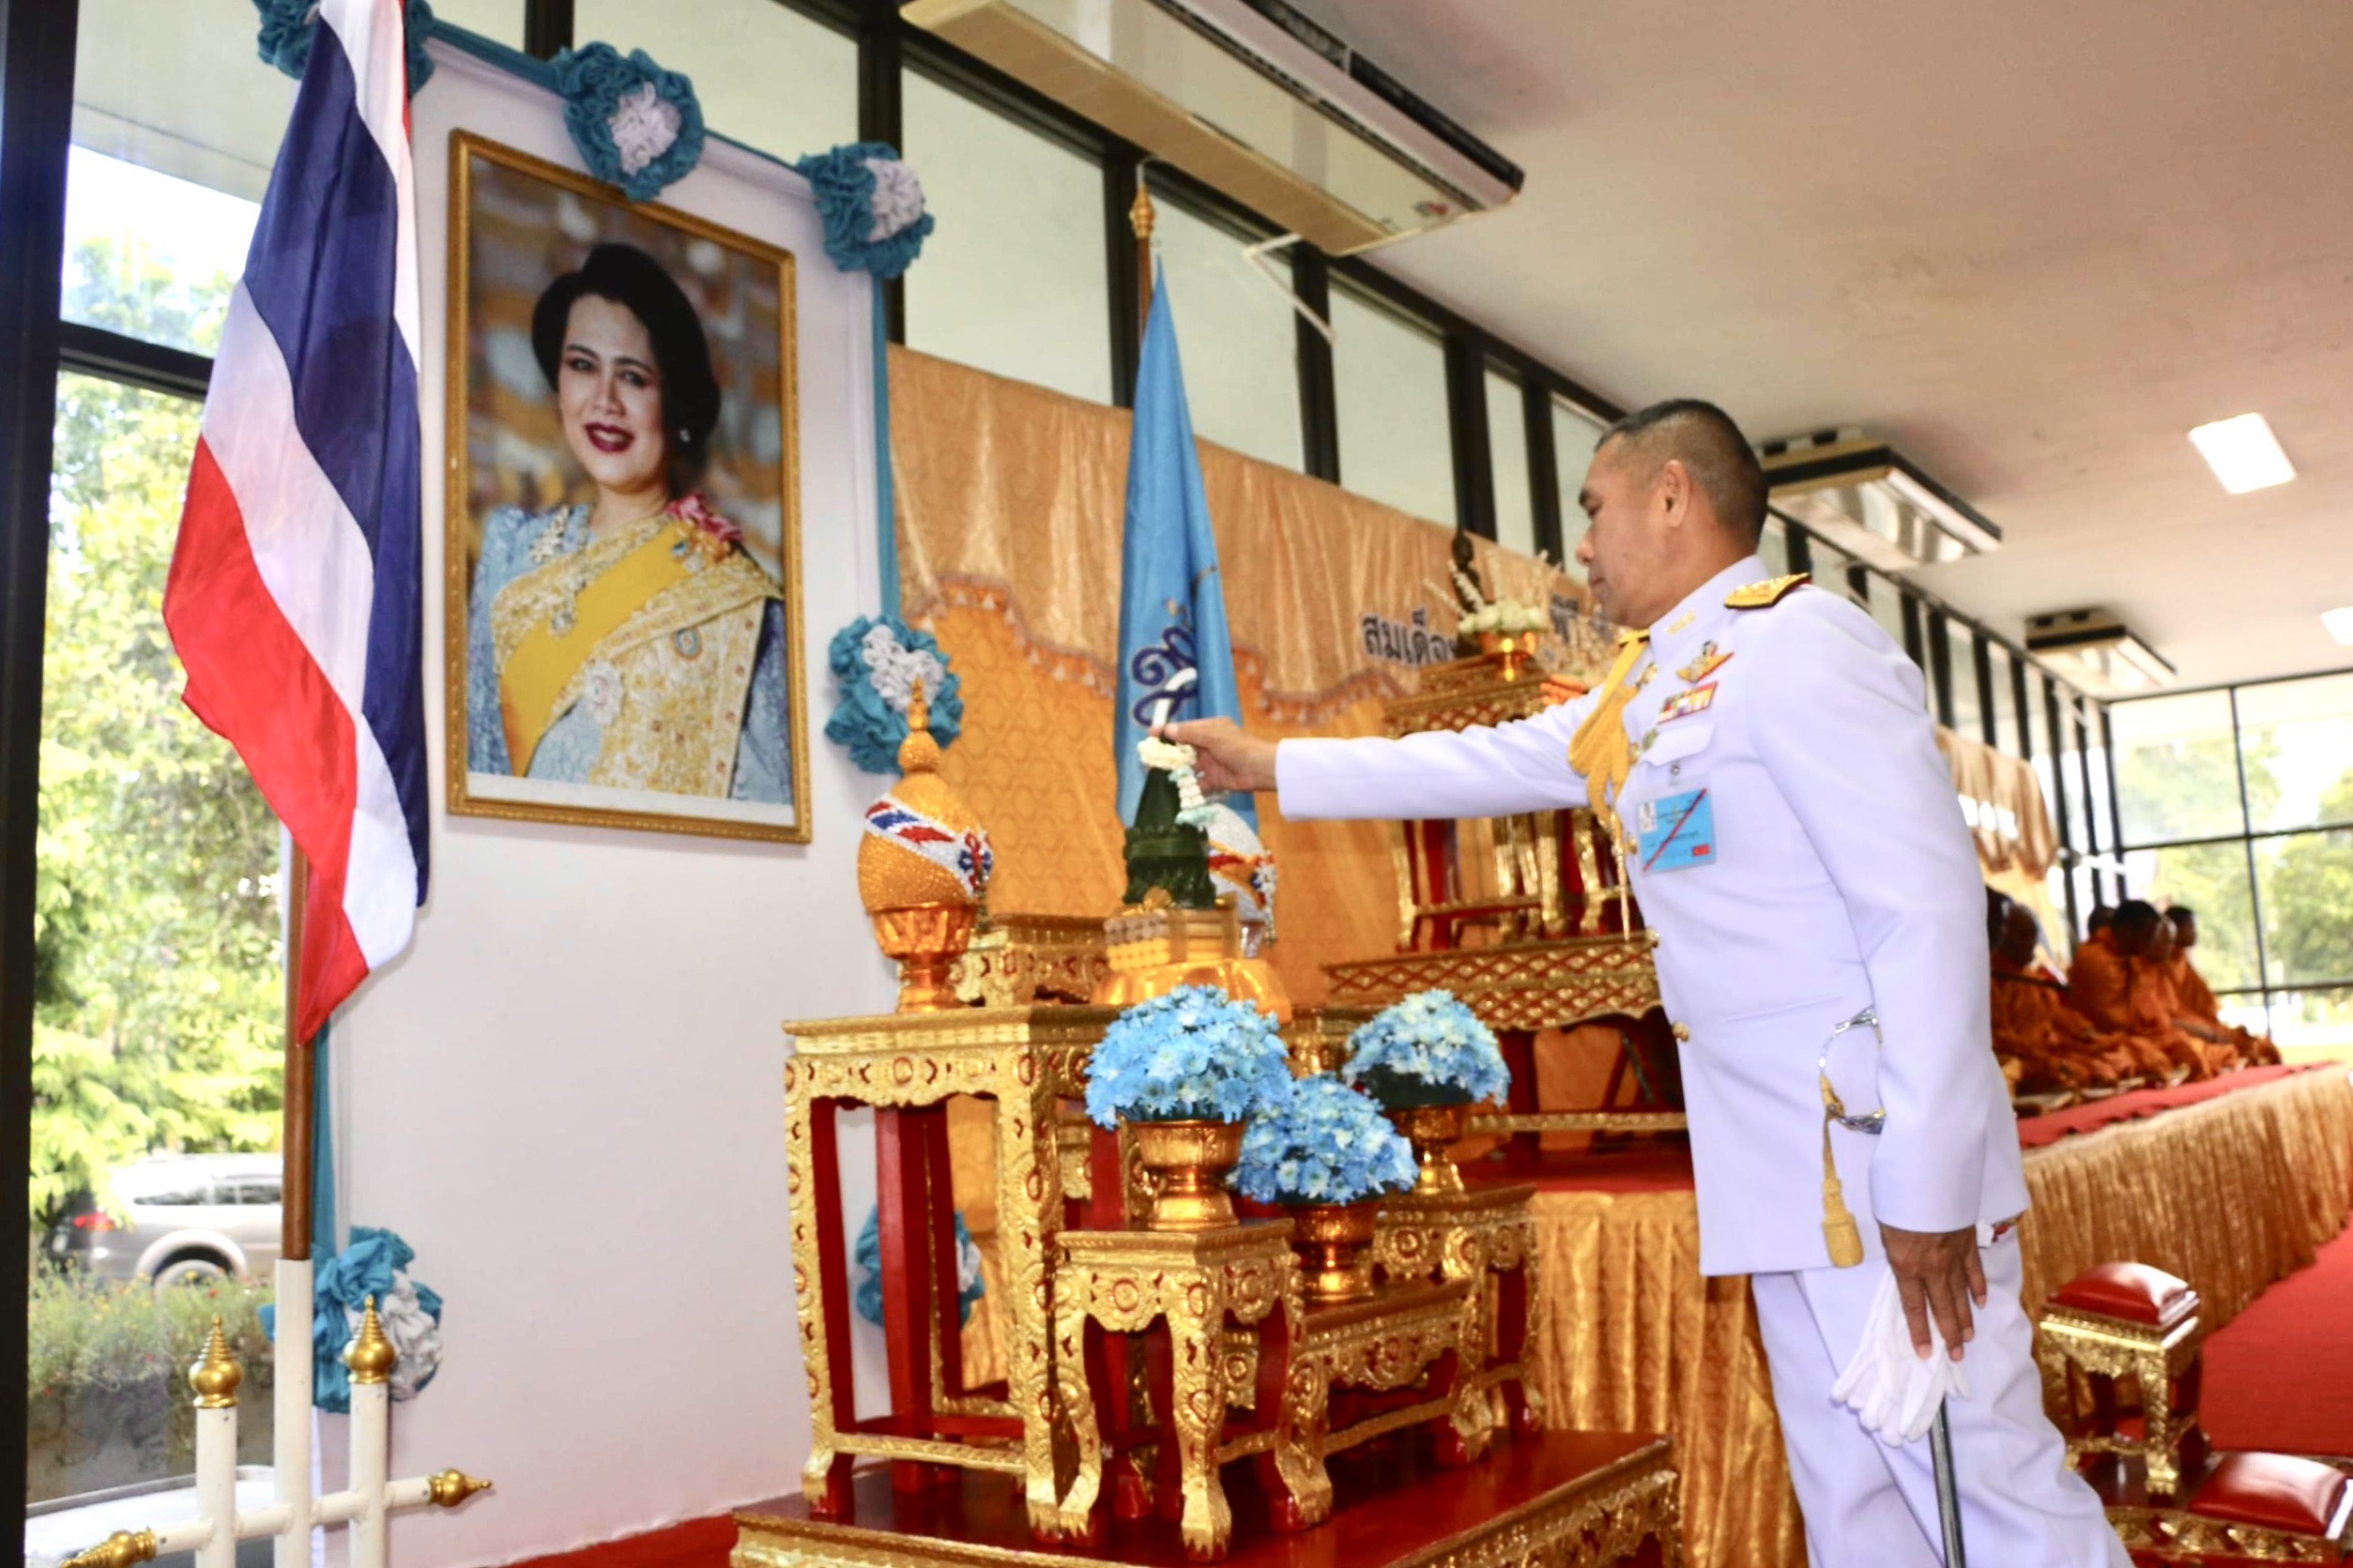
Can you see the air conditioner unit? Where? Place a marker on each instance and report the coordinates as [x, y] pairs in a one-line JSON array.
[[2097, 651], [1249, 97], [1864, 497]]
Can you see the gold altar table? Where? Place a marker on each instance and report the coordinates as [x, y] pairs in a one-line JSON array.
[[2230, 1194]]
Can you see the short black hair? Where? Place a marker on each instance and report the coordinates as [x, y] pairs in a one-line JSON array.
[[2101, 915], [2135, 914], [2179, 912], [638, 284], [1704, 439]]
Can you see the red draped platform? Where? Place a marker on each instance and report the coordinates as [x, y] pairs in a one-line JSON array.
[[2232, 1185]]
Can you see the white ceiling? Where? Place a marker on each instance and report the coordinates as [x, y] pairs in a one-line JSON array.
[[2030, 243]]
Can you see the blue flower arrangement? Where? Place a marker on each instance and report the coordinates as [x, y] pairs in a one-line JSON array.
[[1193, 1055], [636, 125], [1426, 1050], [866, 1258], [876, 660], [1329, 1145], [288, 27], [373, 1266], [872, 205]]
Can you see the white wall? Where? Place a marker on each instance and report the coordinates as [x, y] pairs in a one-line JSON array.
[[568, 1093]]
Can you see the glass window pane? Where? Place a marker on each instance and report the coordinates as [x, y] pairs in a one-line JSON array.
[[2211, 878], [2307, 888], [2176, 775], [2005, 698], [159, 999], [2074, 774], [1575, 435], [766, 76], [1772, 546], [176, 124], [1885, 602], [2098, 784], [2310, 1025], [1396, 444], [1236, 337], [1507, 452], [1961, 661], [2296, 737], [1013, 279], [501, 21]]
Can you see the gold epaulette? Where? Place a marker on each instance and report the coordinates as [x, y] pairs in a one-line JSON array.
[[1759, 596]]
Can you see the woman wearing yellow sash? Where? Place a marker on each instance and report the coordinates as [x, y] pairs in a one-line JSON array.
[[627, 642]]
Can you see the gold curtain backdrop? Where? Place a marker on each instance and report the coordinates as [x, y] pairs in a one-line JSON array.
[[1011, 508]]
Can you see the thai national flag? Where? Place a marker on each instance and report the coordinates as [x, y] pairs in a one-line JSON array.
[[296, 595]]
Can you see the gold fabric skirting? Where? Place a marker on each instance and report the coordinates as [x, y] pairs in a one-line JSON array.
[[2230, 1194]]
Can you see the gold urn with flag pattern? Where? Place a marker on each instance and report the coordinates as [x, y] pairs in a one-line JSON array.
[[924, 864]]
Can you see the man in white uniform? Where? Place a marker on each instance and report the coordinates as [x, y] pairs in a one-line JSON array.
[[1791, 831]]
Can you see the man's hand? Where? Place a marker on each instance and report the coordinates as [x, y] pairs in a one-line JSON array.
[[1938, 1272], [1224, 757]]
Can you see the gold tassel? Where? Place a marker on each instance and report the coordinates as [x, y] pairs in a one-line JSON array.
[[1838, 1227]]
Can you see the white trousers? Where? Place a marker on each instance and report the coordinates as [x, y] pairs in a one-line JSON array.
[[1867, 1506]]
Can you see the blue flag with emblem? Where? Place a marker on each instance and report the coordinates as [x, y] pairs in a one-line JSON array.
[[1176, 658]]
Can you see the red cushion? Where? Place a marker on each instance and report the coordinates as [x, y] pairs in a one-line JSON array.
[[2133, 1292], [2272, 1491]]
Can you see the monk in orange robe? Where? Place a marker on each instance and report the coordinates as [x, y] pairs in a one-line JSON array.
[[2100, 987], [2197, 999], [2049, 1043], [2157, 1011]]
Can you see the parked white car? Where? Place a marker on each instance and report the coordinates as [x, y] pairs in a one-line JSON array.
[[183, 1218]]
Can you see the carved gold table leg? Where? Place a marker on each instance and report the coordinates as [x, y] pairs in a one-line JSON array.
[[1029, 1213], [813, 1184], [1197, 1416]]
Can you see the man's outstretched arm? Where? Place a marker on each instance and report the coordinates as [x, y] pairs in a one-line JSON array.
[[1518, 767]]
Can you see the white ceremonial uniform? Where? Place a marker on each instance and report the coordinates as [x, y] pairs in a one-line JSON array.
[[1793, 836]]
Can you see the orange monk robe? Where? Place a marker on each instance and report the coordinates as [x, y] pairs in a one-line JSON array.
[[2198, 1002], [2157, 1010], [2100, 988], [2054, 1045]]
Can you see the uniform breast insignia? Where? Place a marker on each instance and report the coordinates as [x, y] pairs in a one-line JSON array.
[[1709, 661], [1644, 680], [1677, 832], [1760, 596], [1682, 621], [1684, 704]]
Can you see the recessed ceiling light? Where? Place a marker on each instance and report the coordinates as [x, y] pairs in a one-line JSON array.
[[2339, 623], [2243, 453]]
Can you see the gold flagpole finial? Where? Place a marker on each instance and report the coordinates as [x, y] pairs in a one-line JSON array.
[[216, 1375], [370, 1355]]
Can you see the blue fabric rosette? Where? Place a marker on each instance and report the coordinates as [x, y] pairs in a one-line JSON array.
[[866, 1258], [634, 124], [873, 658]]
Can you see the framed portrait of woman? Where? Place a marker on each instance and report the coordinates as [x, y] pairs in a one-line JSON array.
[[623, 552]]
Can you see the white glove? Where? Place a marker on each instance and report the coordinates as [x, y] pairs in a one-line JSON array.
[[1890, 1386]]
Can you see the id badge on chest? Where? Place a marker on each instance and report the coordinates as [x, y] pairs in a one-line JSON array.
[[1677, 831]]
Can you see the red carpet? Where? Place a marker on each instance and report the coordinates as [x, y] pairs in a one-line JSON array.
[[2281, 1377]]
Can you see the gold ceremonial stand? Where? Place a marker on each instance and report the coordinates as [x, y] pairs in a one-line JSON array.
[[1483, 1242], [1524, 918], [906, 1066]]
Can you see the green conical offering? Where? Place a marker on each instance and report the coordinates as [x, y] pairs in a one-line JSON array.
[[1163, 852]]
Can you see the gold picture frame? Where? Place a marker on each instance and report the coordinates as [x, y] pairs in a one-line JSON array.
[[582, 206]]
